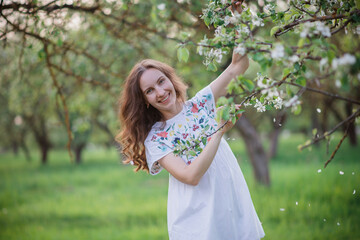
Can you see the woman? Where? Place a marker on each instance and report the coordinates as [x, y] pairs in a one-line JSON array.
[[207, 197]]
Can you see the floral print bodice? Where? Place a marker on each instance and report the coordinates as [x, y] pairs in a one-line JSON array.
[[196, 118]]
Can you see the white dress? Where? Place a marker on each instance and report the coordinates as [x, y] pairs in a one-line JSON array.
[[220, 206]]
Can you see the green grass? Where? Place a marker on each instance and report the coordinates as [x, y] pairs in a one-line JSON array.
[[103, 199]]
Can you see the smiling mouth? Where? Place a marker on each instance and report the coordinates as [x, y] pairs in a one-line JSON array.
[[164, 99]]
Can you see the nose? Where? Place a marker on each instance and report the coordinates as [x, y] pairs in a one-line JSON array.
[[160, 92]]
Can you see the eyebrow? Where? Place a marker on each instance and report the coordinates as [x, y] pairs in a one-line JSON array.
[[156, 82]]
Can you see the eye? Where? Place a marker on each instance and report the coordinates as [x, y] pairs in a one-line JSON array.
[[161, 80], [148, 91]]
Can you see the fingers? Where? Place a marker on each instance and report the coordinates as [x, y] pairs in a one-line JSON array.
[[236, 5]]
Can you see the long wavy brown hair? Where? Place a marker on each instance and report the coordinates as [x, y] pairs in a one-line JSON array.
[[136, 118]]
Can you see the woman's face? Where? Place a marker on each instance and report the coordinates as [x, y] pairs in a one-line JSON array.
[[158, 91]]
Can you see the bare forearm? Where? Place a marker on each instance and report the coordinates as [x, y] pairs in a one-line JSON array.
[[202, 163], [219, 85]]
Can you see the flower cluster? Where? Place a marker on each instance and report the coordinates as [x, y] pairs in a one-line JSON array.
[[240, 49], [315, 28], [347, 59], [221, 34], [293, 103], [270, 95], [278, 52]]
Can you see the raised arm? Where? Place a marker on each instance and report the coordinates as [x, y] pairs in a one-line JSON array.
[[238, 65]]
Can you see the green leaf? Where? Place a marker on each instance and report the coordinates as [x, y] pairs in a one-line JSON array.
[[331, 55], [41, 54], [301, 81], [286, 71], [301, 42], [225, 114], [183, 54], [258, 56], [233, 120], [204, 140], [207, 21], [192, 153], [274, 30], [297, 109], [314, 131], [289, 91], [212, 67], [59, 42], [248, 84], [287, 16]]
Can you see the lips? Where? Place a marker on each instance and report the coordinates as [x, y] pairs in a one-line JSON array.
[[165, 99]]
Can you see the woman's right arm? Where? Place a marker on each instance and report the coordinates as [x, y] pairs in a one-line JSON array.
[[191, 174]]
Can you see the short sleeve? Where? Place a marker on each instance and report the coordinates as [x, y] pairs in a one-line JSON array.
[[154, 151], [204, 100]]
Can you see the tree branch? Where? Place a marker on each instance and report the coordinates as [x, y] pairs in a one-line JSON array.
[[317, 139], [325, 93], [63, 100]]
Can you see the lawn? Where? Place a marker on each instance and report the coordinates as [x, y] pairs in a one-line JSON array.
[[103, 199]]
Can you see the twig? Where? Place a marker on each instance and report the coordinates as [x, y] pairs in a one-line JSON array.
[[314, 19], [350, 118], [342, 27], [325, 93], [339, 144]]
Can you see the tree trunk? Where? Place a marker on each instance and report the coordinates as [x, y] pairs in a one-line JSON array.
[[255, 149], [44, 154], [274, 136], [78, 153], [15, 147], [352, 128], [26, 151], [38, 127]]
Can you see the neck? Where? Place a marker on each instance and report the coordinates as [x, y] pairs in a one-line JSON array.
[[178, 108]]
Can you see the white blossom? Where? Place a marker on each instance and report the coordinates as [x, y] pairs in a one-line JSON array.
[[257, 21], [216, 54], [243, 29], [338, 83], [322, 63], [294, 58], [347, 59], [358, 30], [227, 21], [259, 106], [161, 6], [341, 172], [318, 27], [222, 34], [306, 29], [269, 7], [278, 102], [246, 104], [240, 49], [278, 52], [292, 102], [261, 81], [322, 28]]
